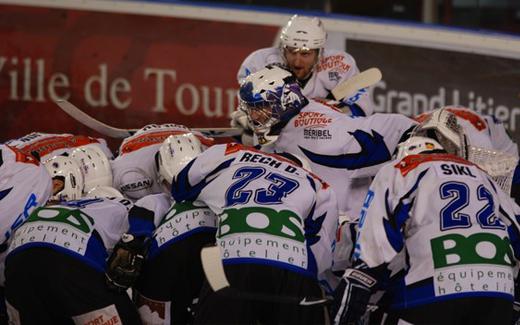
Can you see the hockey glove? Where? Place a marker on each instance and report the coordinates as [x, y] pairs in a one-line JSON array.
[[351, 297], [125, 263], [239, 120]]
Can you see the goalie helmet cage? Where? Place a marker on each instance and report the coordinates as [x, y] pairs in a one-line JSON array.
[[499, 165]]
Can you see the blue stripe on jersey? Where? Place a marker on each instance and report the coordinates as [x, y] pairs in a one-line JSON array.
[[312, 182], [277, 264], [96, 261], [3, 193], [96, 250], [373, 152], [423, 293], [311, 229], [355, 110], [181, 188], [155, 249], [396, 219]]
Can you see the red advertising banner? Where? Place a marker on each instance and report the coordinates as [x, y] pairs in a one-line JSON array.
[[123, 69]]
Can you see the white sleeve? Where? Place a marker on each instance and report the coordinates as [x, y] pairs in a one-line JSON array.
[[322, 243], [373, 246]]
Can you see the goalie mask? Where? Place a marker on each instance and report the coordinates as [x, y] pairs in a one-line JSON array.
[[67, 178], [95, 165], [175, 153], [416, 145], [270, 96], [442, 126]]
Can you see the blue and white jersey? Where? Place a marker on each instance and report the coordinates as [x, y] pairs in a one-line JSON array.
[[333, 68], [270, 211], [457, 229], [25, 185], [344, 151], [86, 229]]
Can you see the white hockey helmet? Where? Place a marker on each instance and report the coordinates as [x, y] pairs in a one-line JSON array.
[[442, 126], [416, 145], [95, 165], [175, 153], [68, 171], [103, 191], [304, 33], [272, 92]]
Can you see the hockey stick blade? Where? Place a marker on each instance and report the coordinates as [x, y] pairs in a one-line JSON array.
[[114, 132], [216, 276], [213, 268], [363, 79]]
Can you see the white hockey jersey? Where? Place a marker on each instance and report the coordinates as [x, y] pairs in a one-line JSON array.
[[134, 169], [334, 67], [344, 151], [47, 145], [25, 185], [270, 211], [86, 229], [450, 220]]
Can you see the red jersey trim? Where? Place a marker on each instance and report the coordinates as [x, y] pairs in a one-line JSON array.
[[409, 163]]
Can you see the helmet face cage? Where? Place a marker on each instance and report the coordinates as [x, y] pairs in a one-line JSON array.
[[442, 126], [68, 171], [270, 96]]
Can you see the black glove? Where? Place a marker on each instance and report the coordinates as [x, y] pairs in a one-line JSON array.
[[125, 262], [351, 297]]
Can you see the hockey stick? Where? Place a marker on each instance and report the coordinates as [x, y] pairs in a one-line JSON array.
[[214, 271], [363, 79], [114, 132]]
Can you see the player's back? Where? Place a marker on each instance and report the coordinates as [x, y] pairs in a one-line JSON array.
[[85, 229], [450, 218], [269, 208]]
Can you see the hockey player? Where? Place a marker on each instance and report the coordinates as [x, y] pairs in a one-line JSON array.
[[46, 145], [343, 150], [55, 269], [454, 229], [276, 226], [25, 185], [487, 144], [172, 274], [317, 69], [134, 169]]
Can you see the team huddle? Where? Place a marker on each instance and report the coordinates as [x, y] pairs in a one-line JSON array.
[[322, 212]]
